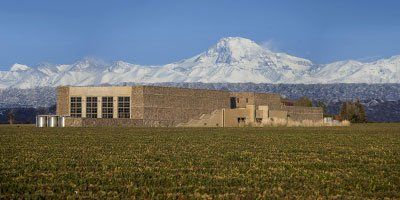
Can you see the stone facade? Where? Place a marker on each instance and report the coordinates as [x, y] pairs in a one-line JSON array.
[[73, 122], [277, 114], [297, 113], [149, 105], [273, 101], [167, 106], [250, 98], [171, 106], [94, 122], [62, 107]]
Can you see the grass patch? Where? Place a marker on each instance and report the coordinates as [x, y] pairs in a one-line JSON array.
[[326, 162]]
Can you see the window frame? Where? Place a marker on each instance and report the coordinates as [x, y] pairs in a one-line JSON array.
[[124, 107], [107, 107], [91, 107], [75, 104]]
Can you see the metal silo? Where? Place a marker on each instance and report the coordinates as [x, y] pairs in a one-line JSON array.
[[52, 121], [41, 121], [61, 121]]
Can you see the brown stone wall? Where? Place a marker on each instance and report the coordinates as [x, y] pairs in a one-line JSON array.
[[137, 102], [73, 122], [281, 114], [273, 101], [258, 99], [62, 107], [298, 113], [92, 122], [243, 98], [167, 106]]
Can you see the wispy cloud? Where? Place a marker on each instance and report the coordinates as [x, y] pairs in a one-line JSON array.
[[270, 44]]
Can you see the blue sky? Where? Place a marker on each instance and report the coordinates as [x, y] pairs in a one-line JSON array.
[[160, 32]]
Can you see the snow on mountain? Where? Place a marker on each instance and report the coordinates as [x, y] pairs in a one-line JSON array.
[[231, 60], [381, 71], [121, 71], [238, 60], [18, 67], [337, 70]]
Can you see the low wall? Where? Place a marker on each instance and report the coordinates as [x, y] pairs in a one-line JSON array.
[[281, 114], [297, 113], [73, 122], [92, 122]]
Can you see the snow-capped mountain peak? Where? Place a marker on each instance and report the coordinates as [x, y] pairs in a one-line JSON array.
[[231, 59], [234, 49], [19, 67], [90, 62]]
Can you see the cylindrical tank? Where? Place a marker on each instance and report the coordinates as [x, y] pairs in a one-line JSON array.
[[61, 121], [52, 121], [41, 121]]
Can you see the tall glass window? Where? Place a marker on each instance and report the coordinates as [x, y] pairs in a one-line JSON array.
[[124, 107], [76, 107], [107, 109], [91, 107]]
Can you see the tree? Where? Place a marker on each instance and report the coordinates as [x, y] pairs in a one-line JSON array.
[[11, 116], [323, 106], [353, 111], [343, 111], [303, 101], [362, 118]]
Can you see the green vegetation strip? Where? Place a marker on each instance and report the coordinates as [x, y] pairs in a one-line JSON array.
[[361, 161]]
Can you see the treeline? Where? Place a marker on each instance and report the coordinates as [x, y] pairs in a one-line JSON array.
[[23, 115], [353, 112]]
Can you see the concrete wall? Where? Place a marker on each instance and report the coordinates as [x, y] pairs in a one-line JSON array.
[[215, 119], [231, 116], [251, 114], [262, 112], [101, 91]]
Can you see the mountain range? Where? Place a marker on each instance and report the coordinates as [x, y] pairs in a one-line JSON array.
[[231, 60]]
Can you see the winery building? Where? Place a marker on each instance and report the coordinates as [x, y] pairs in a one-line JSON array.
[[169, 106]]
